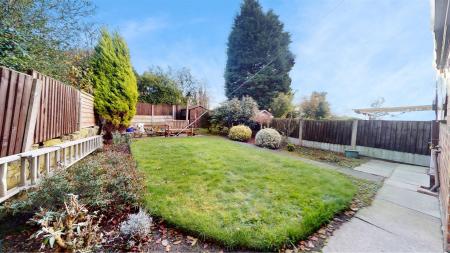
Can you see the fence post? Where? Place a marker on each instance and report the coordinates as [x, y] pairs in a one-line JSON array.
[[33, 110], [173, 112], [354, 133], [300, 131]]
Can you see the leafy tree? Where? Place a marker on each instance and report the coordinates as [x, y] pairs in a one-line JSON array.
[[115, 94], [157, 87], [235, 112], [258, 45], [316, 106], [39, 34], [192, 88], [78, 75], [281, 105]]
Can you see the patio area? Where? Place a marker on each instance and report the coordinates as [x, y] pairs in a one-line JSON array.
[[400, 219]]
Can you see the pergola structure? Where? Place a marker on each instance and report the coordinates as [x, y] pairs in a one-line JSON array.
[[373, 112]]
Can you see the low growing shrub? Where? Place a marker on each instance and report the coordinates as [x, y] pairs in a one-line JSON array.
[[290, 147], [103, 181], [136, 226], [268, 138], [240, 133]]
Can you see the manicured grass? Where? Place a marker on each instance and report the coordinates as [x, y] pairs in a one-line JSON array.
[[235, 194]]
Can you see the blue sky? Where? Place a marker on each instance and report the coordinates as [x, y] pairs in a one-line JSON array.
[[356, 50]]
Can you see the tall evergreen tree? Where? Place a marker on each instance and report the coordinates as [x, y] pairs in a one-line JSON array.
[[258, 44], [115, 86]]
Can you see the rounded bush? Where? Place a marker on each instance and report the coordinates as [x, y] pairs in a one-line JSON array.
[[240, 133], [268, 138]]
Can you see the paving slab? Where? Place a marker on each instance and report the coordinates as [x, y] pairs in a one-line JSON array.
[[376, 168], [412, 168], [409, 224], [410, 177], [400, 219], [410, 199], [411, 187], [360, 236]]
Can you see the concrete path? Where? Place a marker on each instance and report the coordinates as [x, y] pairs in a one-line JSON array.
[[399, 220]]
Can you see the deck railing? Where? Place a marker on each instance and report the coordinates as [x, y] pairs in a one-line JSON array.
[[59, 156]]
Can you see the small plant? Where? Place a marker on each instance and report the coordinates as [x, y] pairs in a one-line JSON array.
[[127, 138], [72, 229], [117, 138], [240, 133], [137, 226], [268, 138], [290, 147]]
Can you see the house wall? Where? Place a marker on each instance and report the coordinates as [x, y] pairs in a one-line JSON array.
[[444, 156], [444, 162]]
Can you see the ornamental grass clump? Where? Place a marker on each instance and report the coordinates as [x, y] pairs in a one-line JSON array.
[[240, 133], [268, 138]]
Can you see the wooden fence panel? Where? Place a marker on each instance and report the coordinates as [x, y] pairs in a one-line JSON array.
[[15, 92], [328, 131], [286, 126], [59, 109], [403, 136], [162, 109], [143, 109], [158, 110], [87, 115]]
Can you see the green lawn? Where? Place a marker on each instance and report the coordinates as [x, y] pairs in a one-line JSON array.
[[238, 195]]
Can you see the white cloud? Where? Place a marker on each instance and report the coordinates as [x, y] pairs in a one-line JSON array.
[[363, 50], [133, 29]]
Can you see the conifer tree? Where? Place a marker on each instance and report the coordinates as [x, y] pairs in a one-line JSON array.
[[257, 40], [115, 86]]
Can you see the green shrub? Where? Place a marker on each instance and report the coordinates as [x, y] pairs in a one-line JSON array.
[[115, 84], [103, 181], [290, 147], [240, 133], [268, 138], [235, 112]]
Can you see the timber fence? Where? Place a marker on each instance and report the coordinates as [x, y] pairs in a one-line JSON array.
[[36, 108], [404, 141]]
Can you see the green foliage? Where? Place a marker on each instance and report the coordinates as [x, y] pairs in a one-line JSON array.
[[235, 112], [240, 133], [106, 180], [257, 39], [282, 105], [115, 85], [290, 147], [238, 195], [157, 87], [316, 106], [41, 34], [268, 138]]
